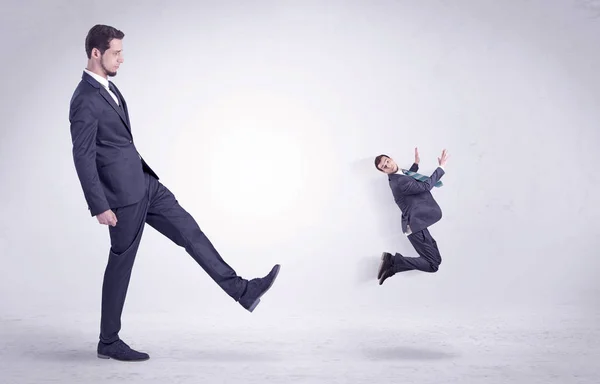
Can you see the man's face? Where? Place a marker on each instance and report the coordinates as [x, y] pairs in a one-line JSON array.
[[112, 58], [387, 165]]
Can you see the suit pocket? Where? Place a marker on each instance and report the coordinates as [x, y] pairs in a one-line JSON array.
[[107, 174], [102, 166]]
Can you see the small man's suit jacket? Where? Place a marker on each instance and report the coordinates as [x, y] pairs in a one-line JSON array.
[[413, 197]]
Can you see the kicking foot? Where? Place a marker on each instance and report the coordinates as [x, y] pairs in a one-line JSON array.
[[258, 287], [386, 262], [387, 273], [120, 351]]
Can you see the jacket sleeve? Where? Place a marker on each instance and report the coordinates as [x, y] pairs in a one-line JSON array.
[[409, 186], [414, 167], [84, 125]]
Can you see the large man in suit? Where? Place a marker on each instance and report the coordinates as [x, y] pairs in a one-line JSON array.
[[123, 192], [419, 211]]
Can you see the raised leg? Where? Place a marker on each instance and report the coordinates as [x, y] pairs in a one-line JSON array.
[[172, 220], [429, 258]]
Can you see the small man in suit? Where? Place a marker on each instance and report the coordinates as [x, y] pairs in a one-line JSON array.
[[124, 193], [412, 194]]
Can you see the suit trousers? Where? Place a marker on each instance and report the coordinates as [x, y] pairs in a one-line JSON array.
[[160, 209], [429, 258]]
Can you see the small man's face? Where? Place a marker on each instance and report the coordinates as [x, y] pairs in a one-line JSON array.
[[387, 165]]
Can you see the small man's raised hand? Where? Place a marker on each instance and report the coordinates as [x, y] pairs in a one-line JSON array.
[[442, 160]]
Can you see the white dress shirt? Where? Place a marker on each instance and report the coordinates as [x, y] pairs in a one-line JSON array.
[[104, 82]]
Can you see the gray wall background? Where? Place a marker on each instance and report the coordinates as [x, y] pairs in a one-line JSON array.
[[263, 118]]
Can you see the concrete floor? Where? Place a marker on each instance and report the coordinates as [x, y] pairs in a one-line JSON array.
[[428, 347]]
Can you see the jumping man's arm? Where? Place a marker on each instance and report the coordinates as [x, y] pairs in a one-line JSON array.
[[409, 186]]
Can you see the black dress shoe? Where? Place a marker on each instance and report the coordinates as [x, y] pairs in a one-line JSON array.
[[386, 262], [387, 273], [258, 287], [120, 351]]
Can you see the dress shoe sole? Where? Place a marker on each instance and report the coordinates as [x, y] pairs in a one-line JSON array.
[[255, 303], [101, 356], [381, 270], [382, 279], [386, 275]]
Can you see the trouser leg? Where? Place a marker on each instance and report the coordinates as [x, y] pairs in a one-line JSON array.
[[429, 258], [173, 221], [125, 239]]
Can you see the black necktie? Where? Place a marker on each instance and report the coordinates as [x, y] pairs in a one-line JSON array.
[[113, 89]]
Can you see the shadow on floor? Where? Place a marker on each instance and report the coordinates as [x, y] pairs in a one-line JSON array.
[[220, 355], [63, 356], [406, 353], [35, 342], [89, 355]]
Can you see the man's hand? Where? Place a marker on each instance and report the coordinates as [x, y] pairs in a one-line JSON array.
[[417, 156], [107, 218], [442, 160]]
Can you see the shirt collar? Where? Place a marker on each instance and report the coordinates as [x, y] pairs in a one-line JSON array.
[[98, 78]]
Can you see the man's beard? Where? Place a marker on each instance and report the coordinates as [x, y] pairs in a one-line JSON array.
[[108, 73]]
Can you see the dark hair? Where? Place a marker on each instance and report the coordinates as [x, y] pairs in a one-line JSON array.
[[378, 160], [99, 36]]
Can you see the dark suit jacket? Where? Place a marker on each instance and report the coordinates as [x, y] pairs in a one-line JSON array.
[[413, 197], [109, 167]]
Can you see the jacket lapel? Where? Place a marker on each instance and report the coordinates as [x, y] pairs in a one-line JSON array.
[[122, 111], [110, 100], [112, 103]]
